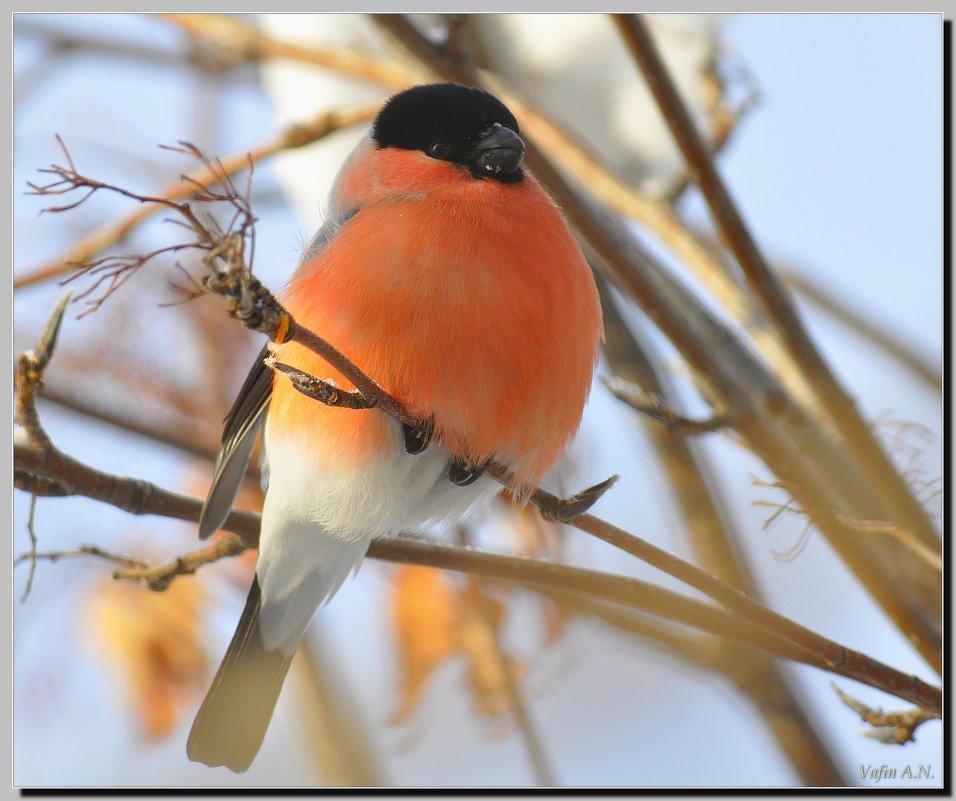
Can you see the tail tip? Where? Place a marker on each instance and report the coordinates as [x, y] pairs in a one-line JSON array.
[[213, 757]]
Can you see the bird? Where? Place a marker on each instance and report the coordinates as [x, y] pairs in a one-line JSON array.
[[449, 276]]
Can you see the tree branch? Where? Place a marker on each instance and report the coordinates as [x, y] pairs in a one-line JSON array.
[[919, 363], [63, 41]]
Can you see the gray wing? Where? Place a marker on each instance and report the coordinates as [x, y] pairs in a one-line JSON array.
[[246, 417], [243, 422]]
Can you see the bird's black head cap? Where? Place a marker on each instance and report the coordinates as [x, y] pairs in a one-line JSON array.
[[464, 125]]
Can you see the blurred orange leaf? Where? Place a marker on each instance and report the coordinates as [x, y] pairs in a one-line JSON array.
[[479, 622], [435, 620], [153, 643], [423, 616]]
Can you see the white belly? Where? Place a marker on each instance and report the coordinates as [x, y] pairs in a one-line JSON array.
[[318, 520]]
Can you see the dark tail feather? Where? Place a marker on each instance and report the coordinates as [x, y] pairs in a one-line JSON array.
[[233, 718]]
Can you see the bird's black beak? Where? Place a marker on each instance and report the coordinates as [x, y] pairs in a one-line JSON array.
[[497, 152]]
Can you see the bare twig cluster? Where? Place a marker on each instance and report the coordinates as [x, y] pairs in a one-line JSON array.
[[86, 250], [227, 244]]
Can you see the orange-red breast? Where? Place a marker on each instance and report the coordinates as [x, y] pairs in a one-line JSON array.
[[449, 276]]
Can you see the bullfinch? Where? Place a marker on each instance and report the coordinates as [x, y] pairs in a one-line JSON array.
[[447, 274]]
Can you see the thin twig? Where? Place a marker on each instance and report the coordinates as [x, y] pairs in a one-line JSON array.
[[32, 554], [322, 391], [885, 527], [29, 377], [892, 728], [228, 245], [82, 551], [724, 120], [890, 529], [657, 408], [159, 577]]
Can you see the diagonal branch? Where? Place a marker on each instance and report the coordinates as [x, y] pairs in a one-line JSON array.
[[826, 299], [184, 439]]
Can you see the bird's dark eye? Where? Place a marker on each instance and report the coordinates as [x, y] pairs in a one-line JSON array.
[[440, 149]]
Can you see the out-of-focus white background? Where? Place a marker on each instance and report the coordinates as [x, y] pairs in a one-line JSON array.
[[838, 170]]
